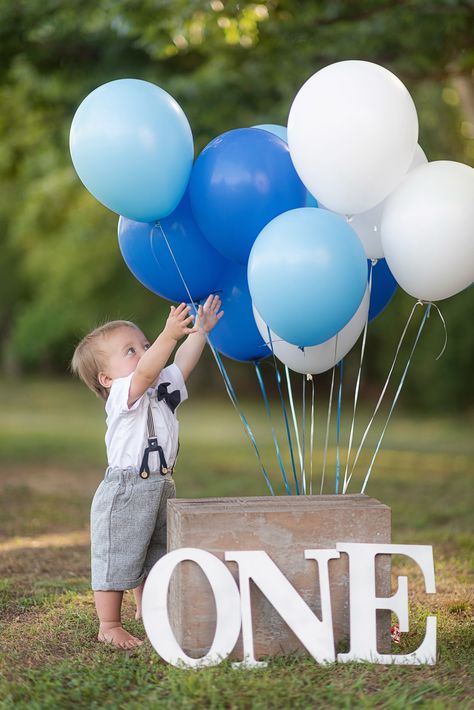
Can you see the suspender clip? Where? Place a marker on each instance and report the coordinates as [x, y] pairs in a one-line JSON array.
[[152, 443]]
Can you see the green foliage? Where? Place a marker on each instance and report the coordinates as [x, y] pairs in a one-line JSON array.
[[228, 64]]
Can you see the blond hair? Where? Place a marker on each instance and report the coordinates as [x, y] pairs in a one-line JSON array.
[[88, 359]]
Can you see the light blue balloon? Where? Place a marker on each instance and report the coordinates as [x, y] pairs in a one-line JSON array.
[[280, 131], [307, 274], [132, 147]]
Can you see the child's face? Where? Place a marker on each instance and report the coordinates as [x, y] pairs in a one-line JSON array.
[[123, 349]]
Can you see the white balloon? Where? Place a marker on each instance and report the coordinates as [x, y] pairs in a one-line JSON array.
[[367, 224], [352, 134], [428, 230], [317, 358]]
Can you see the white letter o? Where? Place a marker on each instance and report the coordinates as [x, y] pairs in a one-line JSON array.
[[155, 608]]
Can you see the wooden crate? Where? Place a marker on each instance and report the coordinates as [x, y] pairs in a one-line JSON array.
[[282, 526]]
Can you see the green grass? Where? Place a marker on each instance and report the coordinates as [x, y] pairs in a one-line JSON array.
[[52, 456]]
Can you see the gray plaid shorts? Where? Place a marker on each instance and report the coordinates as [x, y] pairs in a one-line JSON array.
[[128, 527]]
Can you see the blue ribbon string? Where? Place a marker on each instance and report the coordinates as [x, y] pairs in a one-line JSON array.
[[275, 440], [288, 432], [222, 370], [235, 402], [303, 438], [311, 435], [285, 415], [326, 439], [338, 422]]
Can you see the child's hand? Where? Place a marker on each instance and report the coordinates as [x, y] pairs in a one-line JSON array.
[[179, 320], [209, 314]]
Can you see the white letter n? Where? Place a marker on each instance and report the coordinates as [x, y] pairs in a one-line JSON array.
[[315, 635]]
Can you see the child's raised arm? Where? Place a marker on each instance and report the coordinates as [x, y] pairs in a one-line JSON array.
[[188, 354], [154, 360]]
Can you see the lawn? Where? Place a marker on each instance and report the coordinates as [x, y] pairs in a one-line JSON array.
[[52, 455]]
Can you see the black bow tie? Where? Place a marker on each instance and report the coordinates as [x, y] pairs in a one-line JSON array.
[[172, 399]]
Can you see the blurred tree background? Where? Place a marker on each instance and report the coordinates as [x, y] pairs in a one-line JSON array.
[[228, 64]]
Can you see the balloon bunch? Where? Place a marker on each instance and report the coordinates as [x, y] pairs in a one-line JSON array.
[[304, 231]]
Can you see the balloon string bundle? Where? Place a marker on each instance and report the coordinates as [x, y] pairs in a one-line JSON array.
[[384, 389], [222, 370], [269, 343], [395, 399], [397, 394], [285, 415], [301, 447], [275, 440]]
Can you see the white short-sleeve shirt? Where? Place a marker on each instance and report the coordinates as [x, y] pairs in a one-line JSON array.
[[127, 431]]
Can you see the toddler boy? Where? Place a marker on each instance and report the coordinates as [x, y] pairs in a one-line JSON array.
[[128, 513]]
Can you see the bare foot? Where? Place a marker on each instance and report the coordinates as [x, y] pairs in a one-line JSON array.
[[138, 614], [120, 638]]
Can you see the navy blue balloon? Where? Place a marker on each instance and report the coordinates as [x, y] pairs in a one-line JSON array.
[[239, 183], [383, 288], [236, 334], [147, 255]]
